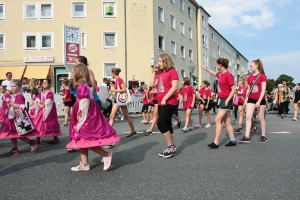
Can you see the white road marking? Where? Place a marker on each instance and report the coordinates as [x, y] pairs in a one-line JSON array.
[[283, 132], [141, 132]]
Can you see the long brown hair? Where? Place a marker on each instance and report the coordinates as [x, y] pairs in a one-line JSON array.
[[260, 66], [82, 75], [186, 81], [167, 62], [224, 62]]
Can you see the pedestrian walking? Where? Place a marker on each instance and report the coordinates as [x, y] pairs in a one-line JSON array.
[[6, 96], [257, 83], [67, 100], [205, 103], [284, 99], [242, 93], [296, 101], [226, 90], [89, 128]]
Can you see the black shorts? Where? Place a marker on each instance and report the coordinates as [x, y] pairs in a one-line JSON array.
[[69, 103], [263, 102], [145, 108], [155, 101], [150, 104], [205, 104], [240, 104], [164, 122], [222, 106], [176, 111], [296, 101]]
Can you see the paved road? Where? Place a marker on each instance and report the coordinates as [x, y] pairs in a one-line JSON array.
[[249, 171]]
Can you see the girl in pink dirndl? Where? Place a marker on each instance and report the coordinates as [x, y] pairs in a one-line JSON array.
[[4, 106], [8, 129], [34, 107], [46, 120], [89, 128]]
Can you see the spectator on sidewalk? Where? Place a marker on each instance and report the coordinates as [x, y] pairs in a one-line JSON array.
[[8, 81]]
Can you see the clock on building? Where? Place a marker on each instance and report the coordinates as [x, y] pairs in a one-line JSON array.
[[72, 34]]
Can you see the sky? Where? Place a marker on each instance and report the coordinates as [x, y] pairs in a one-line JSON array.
[[265, 29]]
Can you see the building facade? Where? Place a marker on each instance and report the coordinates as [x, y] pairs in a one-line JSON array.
[[128, 34]]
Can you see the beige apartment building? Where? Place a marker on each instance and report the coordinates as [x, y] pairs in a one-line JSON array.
[[128, 34]]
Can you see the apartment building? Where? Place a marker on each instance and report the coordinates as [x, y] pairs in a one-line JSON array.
[[128, 34]]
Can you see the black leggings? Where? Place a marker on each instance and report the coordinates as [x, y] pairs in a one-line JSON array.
[[164, 122], [235, 111], [284, 106]]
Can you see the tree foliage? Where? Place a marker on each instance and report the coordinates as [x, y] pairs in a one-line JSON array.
[[270, 85], [288, 79]]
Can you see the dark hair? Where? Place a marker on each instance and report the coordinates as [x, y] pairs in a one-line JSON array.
[[116, 71], [206, 83], [34, 91], [298, 84], [186, 81], [48, 80], [142, 83], [224, 62], [8, 73], [105, 79], [82, 59], [3, 86], [260, 66], [17, 82], [65, 81], [24, 78]]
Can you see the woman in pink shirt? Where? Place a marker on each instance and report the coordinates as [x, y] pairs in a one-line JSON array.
[[167, 84], [256, 100], [205, 103], [226, 90], [242, 92]]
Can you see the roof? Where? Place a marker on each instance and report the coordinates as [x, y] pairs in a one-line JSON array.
[[204, 10], [227, 41]]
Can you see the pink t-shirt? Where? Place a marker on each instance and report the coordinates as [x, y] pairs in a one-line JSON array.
[[118, 81], [155, 94], [244, 94], [187, 96], [145, 100], [257, 89], [225, 82], [205, 93], [165, 84]]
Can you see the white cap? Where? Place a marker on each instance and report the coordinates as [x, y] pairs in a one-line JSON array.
[[280, 85]]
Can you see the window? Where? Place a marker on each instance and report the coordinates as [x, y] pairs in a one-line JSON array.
[[161, 42], [182, 73], [38, 10], [2, 11], [173, 48], [83, 40], [160, 12], [213, 54], [109, 40], [172, 1], [38, 41], [204, 41], [182, 52], [172, 21], [205, 60], [219, 52], [182, 28], [213, 37], [46, 41], [107, 69], [190, 33], [181, 5], [109, 9], [222, 45], [2, 42], [78, 9], [203, 22], [190, 11], [190, 55]]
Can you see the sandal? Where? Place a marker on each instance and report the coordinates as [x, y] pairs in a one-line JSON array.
[[108, 146], [54, 141]]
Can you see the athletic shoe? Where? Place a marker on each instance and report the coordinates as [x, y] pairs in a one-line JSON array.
[[162, 154], [143, 121], [185, 129], [107, 161], [262, 139], [116, 119], [33, 145], [235, 119], [213, 145], [122, 118], [13, 152], [178, 124], [239, 129], [80, 167], [230, 144], [294, 119], [257, 120], [150, 121], [207, 126], [63, 125], [244, 140], [254, 130], [147, 132], [168, 153], [198, 125], [132, 134], [190, 128]]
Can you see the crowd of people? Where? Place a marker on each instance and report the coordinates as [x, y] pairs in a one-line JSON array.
[[91, 109]]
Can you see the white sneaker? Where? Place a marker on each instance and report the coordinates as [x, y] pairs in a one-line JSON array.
[[122, 118], [198, 125], [207, 126], [80, 167], [107, 161], [150, 121], [294, 119], [143, 121], [116, 119]]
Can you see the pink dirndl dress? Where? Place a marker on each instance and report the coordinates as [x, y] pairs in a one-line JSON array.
[[92, 129], [33, 110], [4, 106], [8, 128], [46, 120]]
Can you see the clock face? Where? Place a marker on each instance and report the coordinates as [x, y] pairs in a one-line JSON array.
[[72, 35]]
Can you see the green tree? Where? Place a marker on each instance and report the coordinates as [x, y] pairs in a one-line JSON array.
[[288, 79], [270, 85]]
